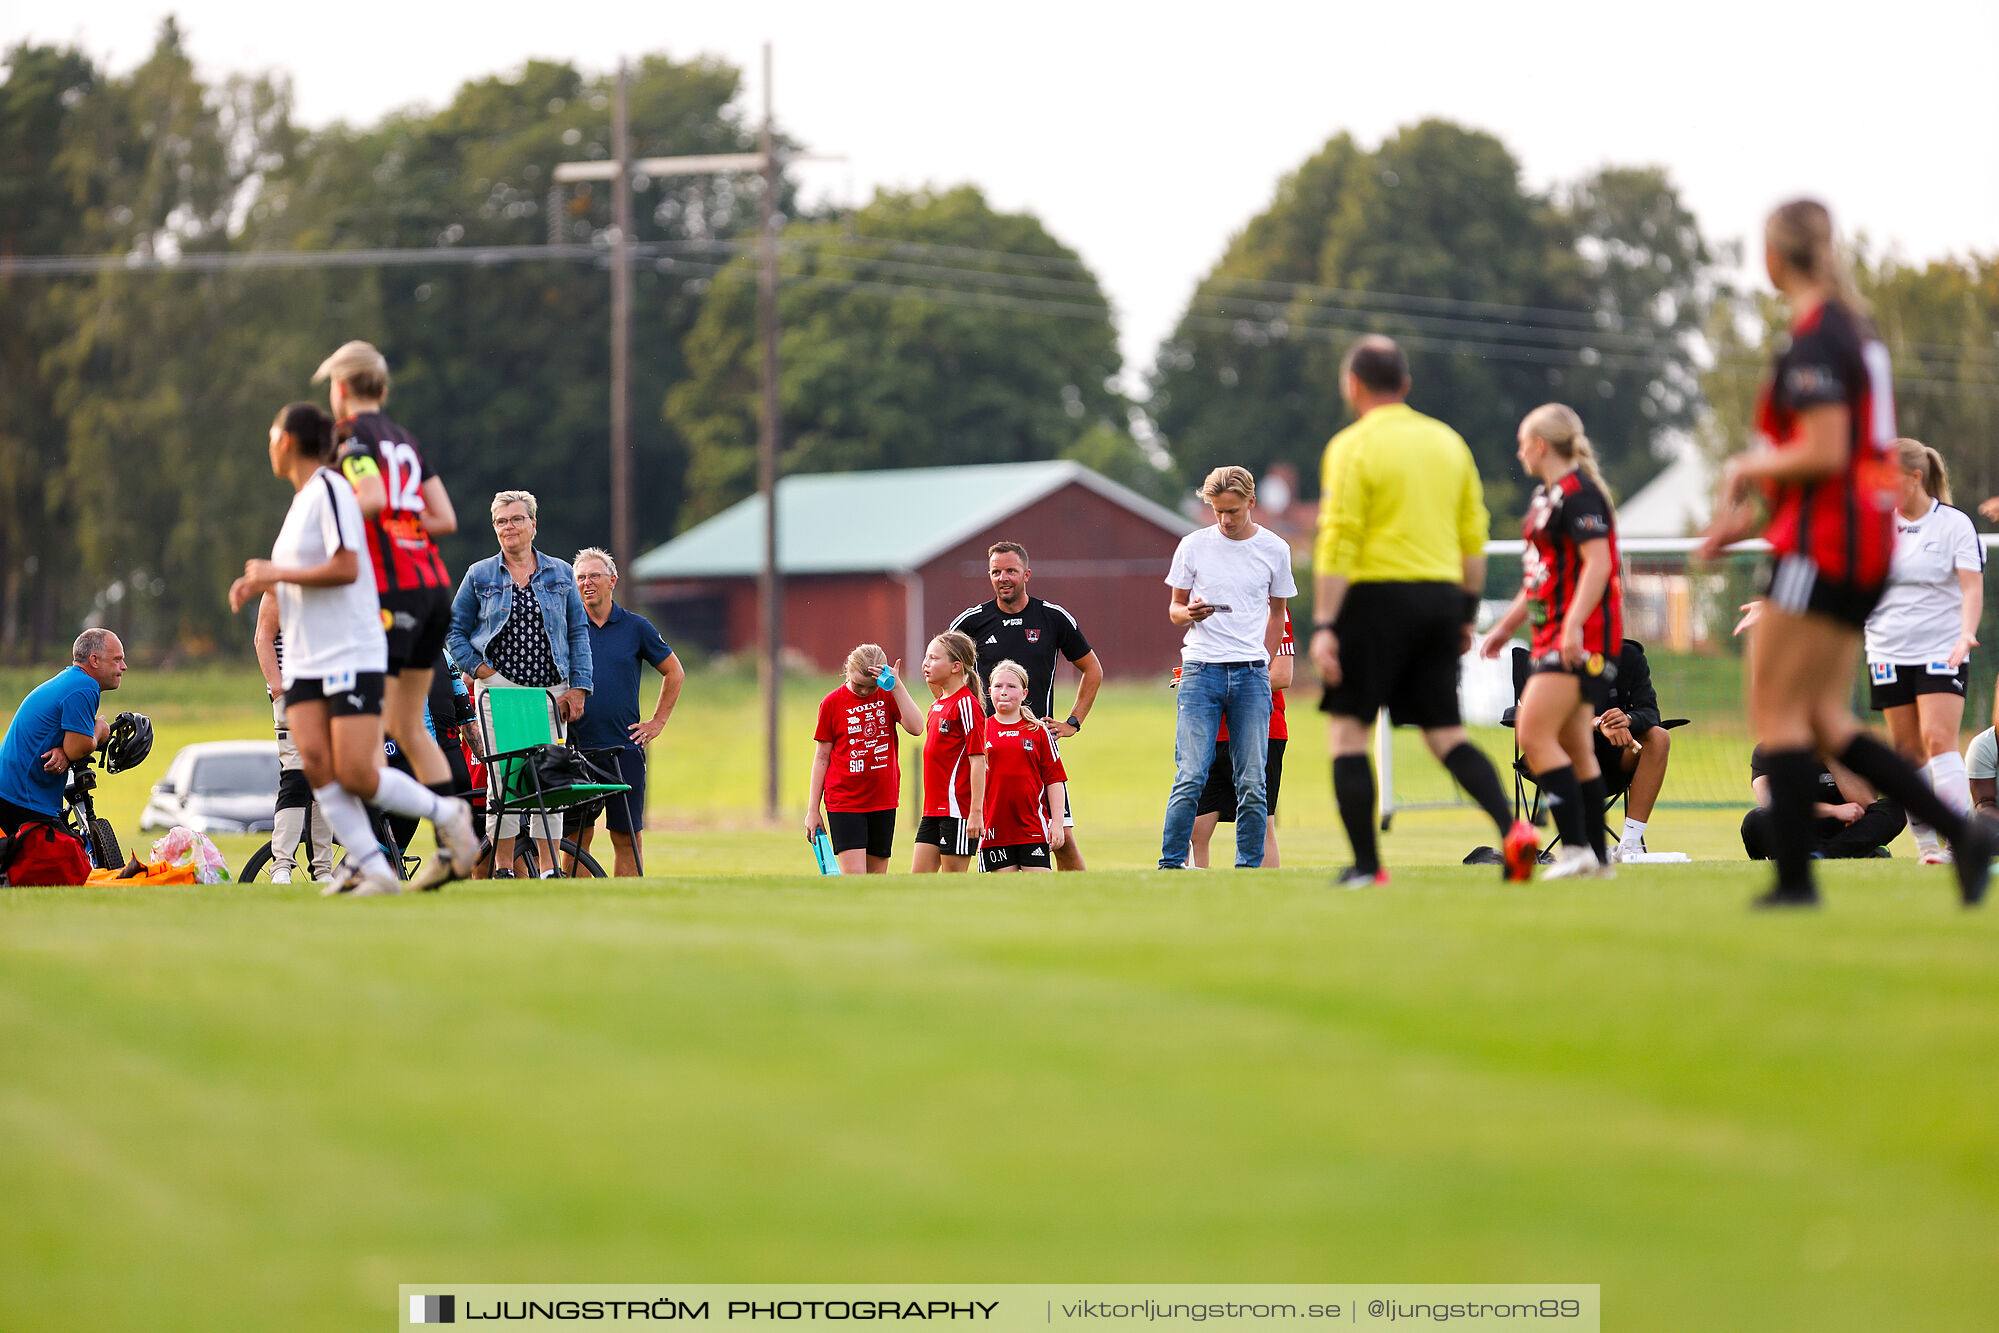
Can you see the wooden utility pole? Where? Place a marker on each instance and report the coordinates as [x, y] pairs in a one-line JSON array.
[[770, 666], [770, 646], [621, 328]]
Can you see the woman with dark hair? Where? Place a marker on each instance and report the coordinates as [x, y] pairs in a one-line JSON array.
[[335, 655], [1826, 426]]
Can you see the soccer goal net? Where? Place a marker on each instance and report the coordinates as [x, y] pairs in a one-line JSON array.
[[1684, 613]]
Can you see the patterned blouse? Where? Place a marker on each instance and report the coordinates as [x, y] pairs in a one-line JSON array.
[[520, 650]]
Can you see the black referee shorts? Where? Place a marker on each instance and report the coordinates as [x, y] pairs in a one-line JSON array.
[[1399, 646]]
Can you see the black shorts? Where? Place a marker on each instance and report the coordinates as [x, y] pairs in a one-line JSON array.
[[13, 816], [1794, 583], [946, 834], [872, 829], [1896, 684], [416, 619], [1019, 855], [1596, 675], [1399, 646], [1218, 797], [349, 694], [625, 811]]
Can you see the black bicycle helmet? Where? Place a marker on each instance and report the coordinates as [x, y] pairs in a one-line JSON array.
[[130, 741]]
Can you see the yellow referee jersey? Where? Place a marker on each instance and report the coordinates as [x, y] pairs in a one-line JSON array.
[[1399, 501]]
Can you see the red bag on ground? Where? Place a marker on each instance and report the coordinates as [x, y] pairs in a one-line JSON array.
[[44, 854]]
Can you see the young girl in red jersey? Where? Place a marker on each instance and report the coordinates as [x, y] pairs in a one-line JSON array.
[[1571, 588], [952, 739], [1826, 423], [1019, 785], [855, 771]]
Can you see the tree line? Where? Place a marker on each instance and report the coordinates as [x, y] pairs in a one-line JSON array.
[[919, 328]]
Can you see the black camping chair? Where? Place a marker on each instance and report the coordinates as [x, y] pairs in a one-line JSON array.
[[1528, 803]]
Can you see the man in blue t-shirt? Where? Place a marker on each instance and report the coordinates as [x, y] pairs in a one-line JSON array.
[[619, 641], [56, 726]]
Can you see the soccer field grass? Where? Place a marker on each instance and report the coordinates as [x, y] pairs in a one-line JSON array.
[[240, 1107], [250, 1108]]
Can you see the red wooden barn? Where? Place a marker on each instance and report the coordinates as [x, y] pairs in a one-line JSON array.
[[892, 557]]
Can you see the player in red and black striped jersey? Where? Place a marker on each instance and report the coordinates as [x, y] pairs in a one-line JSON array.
[[1826, 421], [1571, 590], [405, 507]]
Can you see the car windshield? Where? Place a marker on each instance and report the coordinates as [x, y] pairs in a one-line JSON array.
[[236, 775]]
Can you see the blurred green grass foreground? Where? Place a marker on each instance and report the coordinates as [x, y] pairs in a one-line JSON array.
[[248, 1107]]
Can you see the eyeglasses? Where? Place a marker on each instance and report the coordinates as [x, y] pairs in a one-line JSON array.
[[511, 522], [592, 578]]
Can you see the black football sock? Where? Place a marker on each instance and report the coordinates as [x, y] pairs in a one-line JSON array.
[[1480, 780], [1595, 797], [1565, 803], [1793, 778], [1889, 774], [1353, 792]]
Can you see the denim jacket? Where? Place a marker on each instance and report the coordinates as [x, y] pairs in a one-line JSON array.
[[486, 598]]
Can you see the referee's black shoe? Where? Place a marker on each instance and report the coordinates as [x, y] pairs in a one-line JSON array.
[[1972, 858]]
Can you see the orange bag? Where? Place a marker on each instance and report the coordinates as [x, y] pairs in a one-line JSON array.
[[156, 872]]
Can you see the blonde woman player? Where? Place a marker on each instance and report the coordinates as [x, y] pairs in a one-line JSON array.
[[953, 738], [1019, 787], [856, 773], [1571, 589], [1825, 422], [1920, 637], [335, 655]]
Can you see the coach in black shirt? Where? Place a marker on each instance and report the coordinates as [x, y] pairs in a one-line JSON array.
[[1016, 627]]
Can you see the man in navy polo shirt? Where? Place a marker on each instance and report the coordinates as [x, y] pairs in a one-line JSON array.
[[56, 726], [619, 641]]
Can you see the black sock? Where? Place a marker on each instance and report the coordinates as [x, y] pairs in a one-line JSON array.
[[1596, 796], [1565, 803], [1794, 776], [1889, 774], [1353, 792], [1480, 780]]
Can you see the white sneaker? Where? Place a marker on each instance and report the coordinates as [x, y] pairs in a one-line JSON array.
[[375, 884], [1938, 856], [281, 877], [1576, 863], [457, 848], [1620, 850]]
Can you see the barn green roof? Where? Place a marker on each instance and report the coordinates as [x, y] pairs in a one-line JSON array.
[[858, 522]]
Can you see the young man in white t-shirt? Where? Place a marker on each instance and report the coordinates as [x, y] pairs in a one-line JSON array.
[[1230, 583]]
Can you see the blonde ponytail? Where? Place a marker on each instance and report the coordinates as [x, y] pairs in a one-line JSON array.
[[1557, 426], [1915, 456], [958, 646], [1801, 232]]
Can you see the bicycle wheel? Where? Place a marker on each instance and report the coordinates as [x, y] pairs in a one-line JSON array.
[[527, 861], [262, 861], [104, 845]]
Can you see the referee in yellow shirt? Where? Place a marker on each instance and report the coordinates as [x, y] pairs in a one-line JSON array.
[[1399, 566]]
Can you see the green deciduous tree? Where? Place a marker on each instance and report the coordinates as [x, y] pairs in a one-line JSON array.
[[1501, 297], [930, 329]]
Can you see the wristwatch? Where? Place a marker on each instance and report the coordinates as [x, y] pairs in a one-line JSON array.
[[1325, 625], [1075, 723]]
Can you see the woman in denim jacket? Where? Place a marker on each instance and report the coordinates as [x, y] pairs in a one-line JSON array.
[[518, 620]]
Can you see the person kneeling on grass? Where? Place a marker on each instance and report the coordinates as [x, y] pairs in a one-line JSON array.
[[1981, 767], [855, 772], [1848, 820], [1018, 784]]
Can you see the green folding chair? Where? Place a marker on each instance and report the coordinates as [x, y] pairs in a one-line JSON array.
[[523, 721]]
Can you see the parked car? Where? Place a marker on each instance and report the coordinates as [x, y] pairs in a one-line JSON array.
[[217, 787]]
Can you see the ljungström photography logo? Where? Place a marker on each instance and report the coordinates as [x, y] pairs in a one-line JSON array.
[[433, 1309]]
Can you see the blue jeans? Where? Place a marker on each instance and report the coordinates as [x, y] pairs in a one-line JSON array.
[[1210, 691]]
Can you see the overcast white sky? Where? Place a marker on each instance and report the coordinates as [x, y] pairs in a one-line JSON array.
[[1144, 134]]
